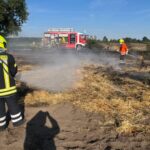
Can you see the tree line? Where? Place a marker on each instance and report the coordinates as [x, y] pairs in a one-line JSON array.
[[127, 39]]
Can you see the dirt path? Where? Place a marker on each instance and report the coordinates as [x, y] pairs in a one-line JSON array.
[[66, 127]]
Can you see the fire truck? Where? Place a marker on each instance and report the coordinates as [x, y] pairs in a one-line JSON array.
[[64, 37]]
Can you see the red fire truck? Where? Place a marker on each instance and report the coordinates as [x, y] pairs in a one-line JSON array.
[[64, 37]]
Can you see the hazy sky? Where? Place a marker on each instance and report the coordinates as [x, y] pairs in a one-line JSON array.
[[113, 18]]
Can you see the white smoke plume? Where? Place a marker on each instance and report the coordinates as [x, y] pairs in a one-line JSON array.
[[57, 70]]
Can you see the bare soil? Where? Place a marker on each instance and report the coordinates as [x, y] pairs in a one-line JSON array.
[[64, 127]]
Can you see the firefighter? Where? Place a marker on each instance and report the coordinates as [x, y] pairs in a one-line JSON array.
[[8, 91], [123, 50]]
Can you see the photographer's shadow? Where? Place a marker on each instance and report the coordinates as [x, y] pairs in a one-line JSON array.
[[38, 135]]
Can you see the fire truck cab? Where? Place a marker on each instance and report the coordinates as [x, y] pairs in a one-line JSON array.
[[64, 37]]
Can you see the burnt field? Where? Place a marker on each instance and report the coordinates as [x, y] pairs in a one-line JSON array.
[[81, 101]]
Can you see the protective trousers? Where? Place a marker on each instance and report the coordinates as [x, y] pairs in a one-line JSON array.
[[122, 57], [13, 109]]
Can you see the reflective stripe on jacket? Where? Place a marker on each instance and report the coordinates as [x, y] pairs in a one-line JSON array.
[[8, 70], [123, 49]]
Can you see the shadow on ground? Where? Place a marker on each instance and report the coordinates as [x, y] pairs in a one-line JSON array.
[[38, 135]]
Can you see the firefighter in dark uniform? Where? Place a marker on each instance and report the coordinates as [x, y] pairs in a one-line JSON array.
[[8, 91]]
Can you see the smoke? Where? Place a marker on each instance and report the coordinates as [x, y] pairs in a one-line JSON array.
[[57, 70]]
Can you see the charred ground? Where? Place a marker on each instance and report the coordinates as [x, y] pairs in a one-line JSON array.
[[105, 108]]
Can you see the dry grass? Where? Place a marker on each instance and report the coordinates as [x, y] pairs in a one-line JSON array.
[[102, 91], [44, 97], [25, 68]]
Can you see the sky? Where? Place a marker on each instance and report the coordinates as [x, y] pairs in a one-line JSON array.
[[111, 18]]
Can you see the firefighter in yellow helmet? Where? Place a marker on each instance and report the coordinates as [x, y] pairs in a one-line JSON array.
[[123, 50], [8, 91]]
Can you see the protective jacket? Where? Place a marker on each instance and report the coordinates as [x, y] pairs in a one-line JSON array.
[[8, 70], [123, 49]]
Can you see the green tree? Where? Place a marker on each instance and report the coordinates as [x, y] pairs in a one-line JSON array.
[[91, 43], [145, 39], [105, 39], [13, 13]]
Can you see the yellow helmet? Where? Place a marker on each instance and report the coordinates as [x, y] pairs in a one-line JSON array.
[[3, 43], [121, 41]]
